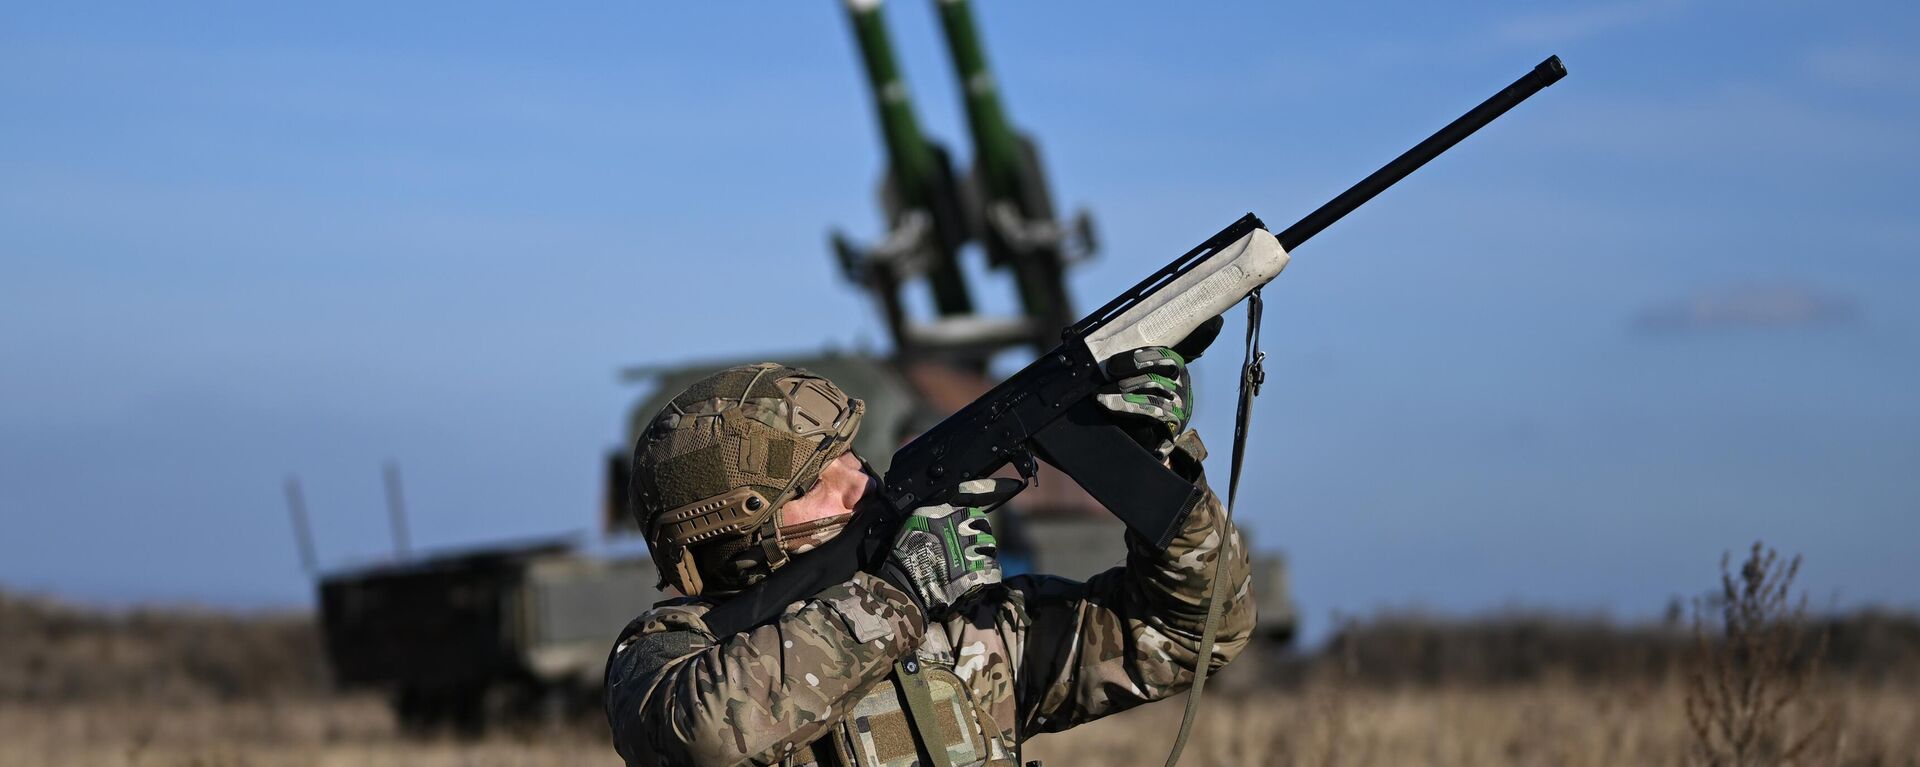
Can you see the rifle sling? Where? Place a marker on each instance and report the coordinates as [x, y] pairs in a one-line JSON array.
[[808, 574], [1252, 375]]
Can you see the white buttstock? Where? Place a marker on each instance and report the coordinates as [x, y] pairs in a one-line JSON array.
[[1210, 289]]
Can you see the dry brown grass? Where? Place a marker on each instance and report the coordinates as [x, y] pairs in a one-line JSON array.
[[302, 733], [1534, 724], [1322, 723], [83, 688], [54, 652]]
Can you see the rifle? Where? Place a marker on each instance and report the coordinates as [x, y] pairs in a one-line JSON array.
[[1046, 410]]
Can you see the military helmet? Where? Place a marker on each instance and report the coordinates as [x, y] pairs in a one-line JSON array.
[[714, 467]]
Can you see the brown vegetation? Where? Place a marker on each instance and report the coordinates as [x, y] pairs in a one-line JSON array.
[[1542, 723], [1324, 722], [150, 687], [56, 653], [1751, 664]]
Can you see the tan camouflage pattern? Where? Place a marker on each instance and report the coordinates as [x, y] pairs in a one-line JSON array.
[[1036, 654], [714, 467], [879, 730]]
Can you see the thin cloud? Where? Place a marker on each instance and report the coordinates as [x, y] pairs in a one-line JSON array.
[[1754, 306]]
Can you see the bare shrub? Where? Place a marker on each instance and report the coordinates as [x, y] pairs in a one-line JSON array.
[[1752, 663]]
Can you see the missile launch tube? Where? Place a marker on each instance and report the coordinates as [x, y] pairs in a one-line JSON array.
[[996, 148], [914, 167], [1010, 180]]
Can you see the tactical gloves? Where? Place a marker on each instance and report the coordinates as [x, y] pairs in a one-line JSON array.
[[944, 553], [1149, 391]]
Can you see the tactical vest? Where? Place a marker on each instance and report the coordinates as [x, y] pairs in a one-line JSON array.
[[900, 711]]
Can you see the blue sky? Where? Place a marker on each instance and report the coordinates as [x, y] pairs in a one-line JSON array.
[[1658, 312]]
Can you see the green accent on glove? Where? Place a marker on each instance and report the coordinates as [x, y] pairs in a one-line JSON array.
[[940, 553], [1149, 385]]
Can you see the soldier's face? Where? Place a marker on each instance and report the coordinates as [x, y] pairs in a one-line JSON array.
[[841, 487]]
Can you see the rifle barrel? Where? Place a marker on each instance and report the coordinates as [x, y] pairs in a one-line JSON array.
[[1546, 73]]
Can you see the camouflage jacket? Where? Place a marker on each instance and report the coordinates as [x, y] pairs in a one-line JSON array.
[[1038, 654]]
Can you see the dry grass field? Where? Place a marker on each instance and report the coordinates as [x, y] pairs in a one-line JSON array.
[[1317, 724], [1748, 681], [1532, 724]]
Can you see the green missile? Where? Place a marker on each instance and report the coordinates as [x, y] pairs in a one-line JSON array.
[[1017, 223], [920, 174]]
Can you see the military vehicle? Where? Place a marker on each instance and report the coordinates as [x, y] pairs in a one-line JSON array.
[[519, 631], [512, 632]]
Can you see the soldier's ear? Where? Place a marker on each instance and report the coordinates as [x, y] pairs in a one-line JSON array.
[[1202, 337]]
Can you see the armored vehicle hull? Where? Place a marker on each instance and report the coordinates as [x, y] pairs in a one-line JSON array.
[[504, 634]]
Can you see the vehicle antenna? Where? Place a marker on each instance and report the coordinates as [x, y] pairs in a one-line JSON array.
[[302, 534], [397, 510]]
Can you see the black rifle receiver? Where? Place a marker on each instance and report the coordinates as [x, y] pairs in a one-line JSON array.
[[1046, 410]]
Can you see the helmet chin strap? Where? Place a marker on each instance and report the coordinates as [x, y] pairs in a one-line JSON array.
[[801, 537]]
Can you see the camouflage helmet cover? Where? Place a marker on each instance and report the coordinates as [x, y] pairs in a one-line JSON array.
[[712, 470]]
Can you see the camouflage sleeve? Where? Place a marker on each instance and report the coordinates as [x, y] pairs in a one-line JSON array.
[[1130, 635], [677, 695]]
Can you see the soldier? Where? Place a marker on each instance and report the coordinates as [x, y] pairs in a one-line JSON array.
[[935, 660]]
